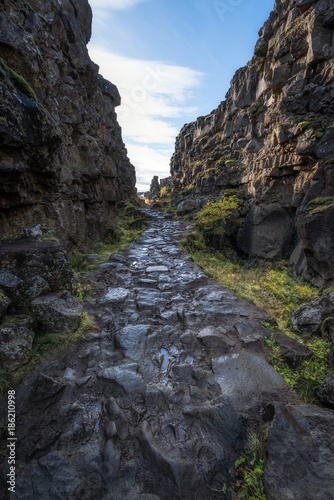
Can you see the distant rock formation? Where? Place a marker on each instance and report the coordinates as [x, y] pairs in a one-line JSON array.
[[156, 186], [63, 163], [272, 142]]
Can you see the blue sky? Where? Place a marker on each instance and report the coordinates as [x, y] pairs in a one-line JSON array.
[[172, 61]]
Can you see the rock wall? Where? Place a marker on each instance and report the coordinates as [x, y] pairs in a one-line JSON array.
[[156, 186], [63, 163], [272, 142]]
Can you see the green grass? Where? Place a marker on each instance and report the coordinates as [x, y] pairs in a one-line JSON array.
[[274, 288], [270, 286], [250, 470], [310, 373], [44, 346]]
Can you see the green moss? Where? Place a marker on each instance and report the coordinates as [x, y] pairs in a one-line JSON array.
[[292, 26], [304, 125], [324, 203], [321, 200], [330, 160], [322, 209], [19, 81], [318, 134]]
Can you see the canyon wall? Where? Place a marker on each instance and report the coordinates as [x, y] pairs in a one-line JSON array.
[[63, 163], [271, 142]]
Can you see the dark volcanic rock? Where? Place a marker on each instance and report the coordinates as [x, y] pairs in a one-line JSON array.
[[271, 143], [292, 351], [15, 345], [315, 318], [63, 163], [44, 388], [300, 453], [32, 261], [325, 391], [59, 312], [249, 382]]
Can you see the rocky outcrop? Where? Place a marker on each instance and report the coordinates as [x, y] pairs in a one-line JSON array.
[[36, 282], [271, 143], [156, 187], [62, 160]]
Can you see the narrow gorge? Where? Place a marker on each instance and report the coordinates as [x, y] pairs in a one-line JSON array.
[[126, 371]]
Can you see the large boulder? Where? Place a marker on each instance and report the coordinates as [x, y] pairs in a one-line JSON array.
[[293, 352], [300, 453], [28, 258], [249, 382], [325, 391], [314, 318], [60, 312], [188, 206], [10, 283], [16, 341]]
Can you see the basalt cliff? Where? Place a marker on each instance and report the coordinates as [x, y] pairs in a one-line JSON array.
[[63, 163], [271, 143]]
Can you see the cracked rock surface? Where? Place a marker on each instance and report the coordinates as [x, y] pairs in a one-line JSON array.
[[157, 404]]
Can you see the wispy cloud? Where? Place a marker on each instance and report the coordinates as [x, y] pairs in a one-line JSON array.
[[115, 4], [156, 98]]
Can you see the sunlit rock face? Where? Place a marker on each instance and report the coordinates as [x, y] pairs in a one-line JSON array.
[[62, 159], [272, 142]]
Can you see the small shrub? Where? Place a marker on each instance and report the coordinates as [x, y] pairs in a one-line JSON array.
[[215, 213]]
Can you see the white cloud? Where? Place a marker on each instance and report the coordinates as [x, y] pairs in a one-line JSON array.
[[115, 4], [157, 99], [149, 162]]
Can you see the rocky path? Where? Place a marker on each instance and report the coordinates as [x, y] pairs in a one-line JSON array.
[[159, 402]]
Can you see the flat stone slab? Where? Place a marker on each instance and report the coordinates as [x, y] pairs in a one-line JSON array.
[[249, 381], [115, 295], [249, 331], [212, 338], [157, 269], [125, 376], [132, 339]]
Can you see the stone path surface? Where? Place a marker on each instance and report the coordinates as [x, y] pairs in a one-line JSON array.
[[157, 404]]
